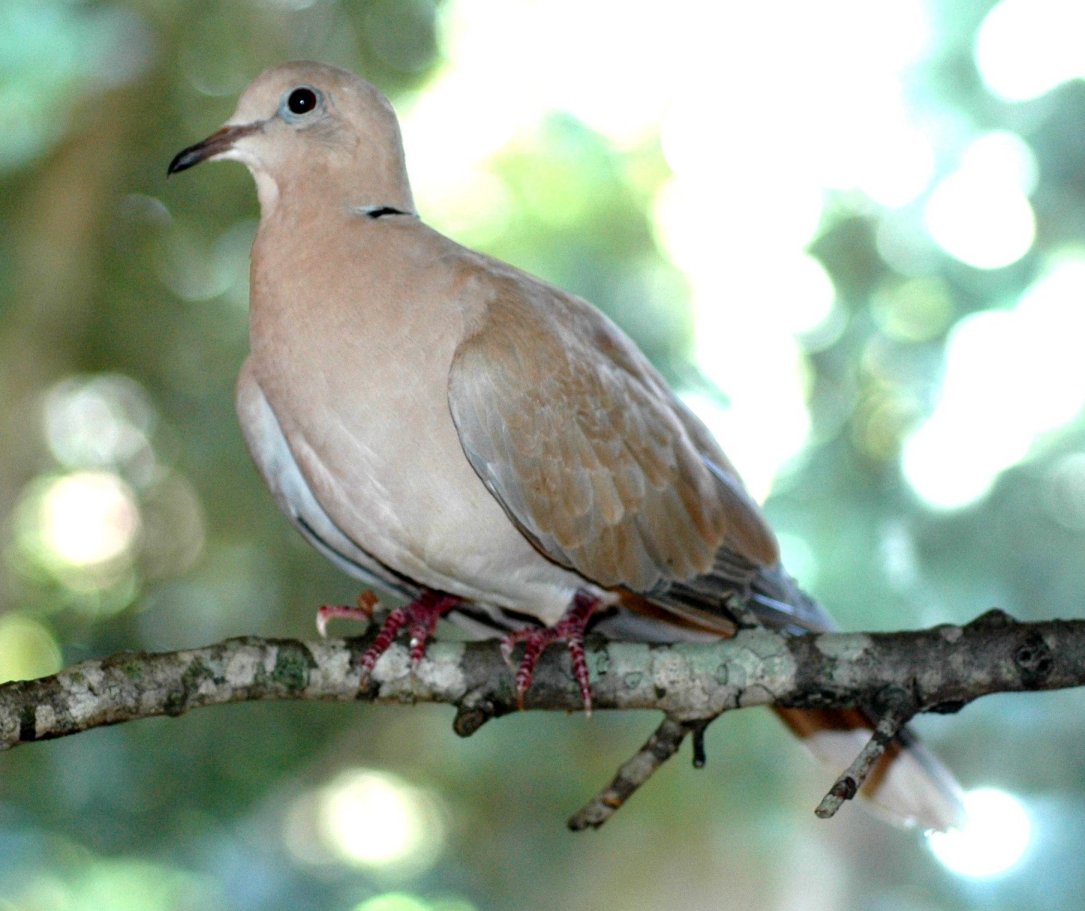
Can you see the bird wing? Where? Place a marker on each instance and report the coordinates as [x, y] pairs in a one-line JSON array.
[[588, 451]]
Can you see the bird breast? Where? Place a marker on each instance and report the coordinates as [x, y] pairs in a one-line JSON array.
[[354, 365]]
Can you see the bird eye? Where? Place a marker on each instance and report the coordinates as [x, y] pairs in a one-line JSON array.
[[301, 101]]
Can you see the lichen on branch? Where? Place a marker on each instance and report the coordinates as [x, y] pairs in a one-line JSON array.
[[933, 670]]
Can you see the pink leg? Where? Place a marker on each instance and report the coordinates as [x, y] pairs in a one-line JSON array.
[[420, 617], [569, 629]]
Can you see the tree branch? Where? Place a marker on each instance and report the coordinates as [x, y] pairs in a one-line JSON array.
[[661, 746], [900, 674]]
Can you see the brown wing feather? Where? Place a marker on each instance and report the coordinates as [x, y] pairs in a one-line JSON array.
[[586, 448]]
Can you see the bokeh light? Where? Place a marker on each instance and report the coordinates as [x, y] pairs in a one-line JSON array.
[[27, 648], [1026, 48], [915, 310], [85, 882], [376, 819], [1010, 376], [394, 901], [405, 901], [993, 840], [980, 214], [87, 518], [1064, 491], [102, 421]]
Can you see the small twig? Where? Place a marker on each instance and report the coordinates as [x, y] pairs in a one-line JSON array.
[[700, 757], [473, 711], [896, 715], [660, 747]]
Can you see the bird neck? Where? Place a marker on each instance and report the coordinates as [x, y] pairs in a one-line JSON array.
[[377, 193], [293, 203], [319, 184]]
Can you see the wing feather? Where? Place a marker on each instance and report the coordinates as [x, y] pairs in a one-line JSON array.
[[588, 451]]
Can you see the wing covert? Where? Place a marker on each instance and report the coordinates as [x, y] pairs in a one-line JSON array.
[[588, 451]]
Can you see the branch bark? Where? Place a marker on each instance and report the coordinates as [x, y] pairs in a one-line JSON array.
[[898, 674]]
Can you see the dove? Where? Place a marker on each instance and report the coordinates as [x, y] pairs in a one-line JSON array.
[[494, 450]]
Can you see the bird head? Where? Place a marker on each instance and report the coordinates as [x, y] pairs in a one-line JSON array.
[[310, 128]]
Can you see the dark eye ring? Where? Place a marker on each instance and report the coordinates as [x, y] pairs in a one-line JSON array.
[[301, 100]]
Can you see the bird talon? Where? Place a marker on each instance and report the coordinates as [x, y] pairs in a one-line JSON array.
[[570, 630], [420, 617], [361, 613]]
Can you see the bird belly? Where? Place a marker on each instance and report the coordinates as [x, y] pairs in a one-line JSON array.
[[281, 473], [396, 507]]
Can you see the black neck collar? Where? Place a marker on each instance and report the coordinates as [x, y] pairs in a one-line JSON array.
[[380, 211]]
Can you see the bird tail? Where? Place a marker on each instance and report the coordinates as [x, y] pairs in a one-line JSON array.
[[909, 785]]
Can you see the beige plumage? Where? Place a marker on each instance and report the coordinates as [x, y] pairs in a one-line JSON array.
[[435, 420]]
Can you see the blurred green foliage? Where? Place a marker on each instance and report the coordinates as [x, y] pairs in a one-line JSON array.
[[122, 325]]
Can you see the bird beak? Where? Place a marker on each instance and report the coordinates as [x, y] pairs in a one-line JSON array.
[[214, 145]]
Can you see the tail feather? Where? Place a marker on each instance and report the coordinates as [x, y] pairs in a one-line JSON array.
[[909, 786]]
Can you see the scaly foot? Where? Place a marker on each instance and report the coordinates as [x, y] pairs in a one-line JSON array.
[[569, 629], [420, 617]]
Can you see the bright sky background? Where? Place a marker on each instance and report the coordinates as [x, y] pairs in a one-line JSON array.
[[738, 213]]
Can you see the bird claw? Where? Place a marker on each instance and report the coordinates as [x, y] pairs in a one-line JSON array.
[[363, 613], [570, 630], [420, 617]]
